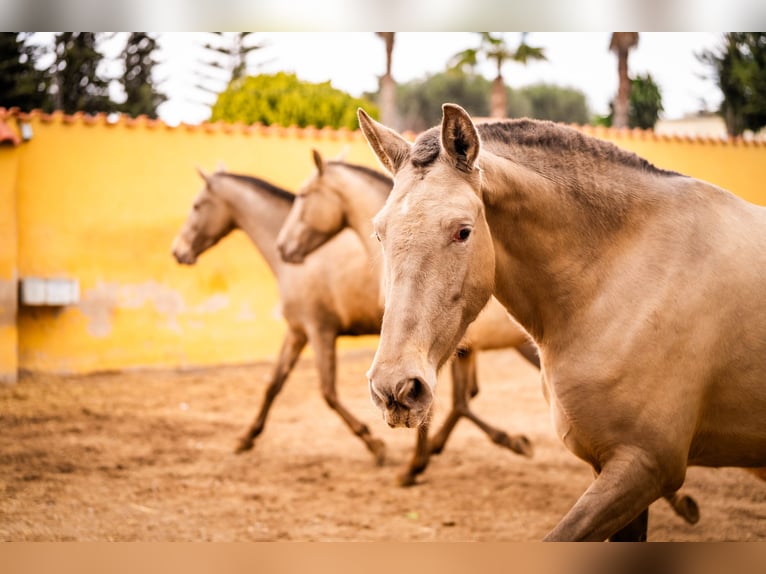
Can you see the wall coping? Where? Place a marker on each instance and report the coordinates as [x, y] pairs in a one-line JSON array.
[[327, 133]]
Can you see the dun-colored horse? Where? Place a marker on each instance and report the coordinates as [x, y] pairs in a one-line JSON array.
[[342, 195], [642, 288], [322, 299]]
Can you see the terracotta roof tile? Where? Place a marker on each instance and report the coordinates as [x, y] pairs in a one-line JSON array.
[[312, 132]]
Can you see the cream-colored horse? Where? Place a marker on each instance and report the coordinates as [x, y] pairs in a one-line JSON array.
[[643, 289], [341, 195], [323, 299]]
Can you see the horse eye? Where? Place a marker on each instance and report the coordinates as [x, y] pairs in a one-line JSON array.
[[376, 235], [462, 234]]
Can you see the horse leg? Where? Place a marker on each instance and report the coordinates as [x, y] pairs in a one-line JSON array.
[[530, 352], [635, 531], [324, 348], [614, 501], [685, 506], [463, 381], [420, 457], [292, 345]]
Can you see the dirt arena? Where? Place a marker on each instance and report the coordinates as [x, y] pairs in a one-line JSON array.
[[148, 456]]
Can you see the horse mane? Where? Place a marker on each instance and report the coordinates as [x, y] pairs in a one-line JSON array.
[[559, 138], [375, 174], [537, 134], [262, 184]]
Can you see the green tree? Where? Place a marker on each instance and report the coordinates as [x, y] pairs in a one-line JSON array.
[[739, 69], [22, 85], [419, 101], [137, 80], [644, 105], [285, 100], [557, 104], [77, 84], [495, 49], [645, 102], [621, 44]]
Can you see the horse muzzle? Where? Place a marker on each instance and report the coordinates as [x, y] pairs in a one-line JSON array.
[[407, 404]]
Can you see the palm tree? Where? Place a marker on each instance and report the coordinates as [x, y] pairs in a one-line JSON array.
[[621, 44], [494, 48], [388, 85]]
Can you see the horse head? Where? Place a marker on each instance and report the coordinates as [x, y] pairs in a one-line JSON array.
[[315, 217], [438, 259], [209, 220]]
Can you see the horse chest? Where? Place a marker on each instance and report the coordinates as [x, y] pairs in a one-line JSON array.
[[564, 426]]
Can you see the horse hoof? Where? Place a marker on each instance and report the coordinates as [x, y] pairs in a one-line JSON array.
[[523, 446], [519, 444], [436, 448], [243, 446], [378, 448], [406, 479], [687, 508]]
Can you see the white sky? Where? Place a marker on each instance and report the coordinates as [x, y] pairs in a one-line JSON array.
[[352, 61]]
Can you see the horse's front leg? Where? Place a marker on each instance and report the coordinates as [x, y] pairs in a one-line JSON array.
[[292, 345], [421, 455], [324, 348], [616, 500]]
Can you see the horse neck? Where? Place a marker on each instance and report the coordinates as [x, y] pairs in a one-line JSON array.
[[259, 212], [363, 197], [550, 248]]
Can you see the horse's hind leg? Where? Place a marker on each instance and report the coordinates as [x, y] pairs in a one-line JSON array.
[[463, 382], [622, 491], [463, 372], [635, 531], [530, 352], [292, 345], [420, 457], [324, 349], [685, 506]]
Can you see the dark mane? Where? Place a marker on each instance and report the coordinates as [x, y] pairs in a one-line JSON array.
[[262, 184], [537, 134], [381, 177], [555, 137]]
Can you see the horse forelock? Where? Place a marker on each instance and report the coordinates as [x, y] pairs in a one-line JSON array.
[[426, 148]]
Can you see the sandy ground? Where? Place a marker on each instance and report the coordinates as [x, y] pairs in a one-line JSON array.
[[148, 456]]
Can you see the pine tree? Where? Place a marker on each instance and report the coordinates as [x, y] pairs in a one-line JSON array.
[[225, 60], [77, 85], [739, 69], [21, 84], [137, 81]]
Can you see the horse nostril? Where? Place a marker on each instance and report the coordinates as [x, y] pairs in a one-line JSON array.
[[409, 392], [381, 399]]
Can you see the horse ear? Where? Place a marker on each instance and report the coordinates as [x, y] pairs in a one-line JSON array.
[[318, 161], [391, 148], [203, 174], [342, 154], [459, 137]]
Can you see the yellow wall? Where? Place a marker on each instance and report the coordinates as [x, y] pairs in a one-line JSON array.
[[8, 265], [101, 203], [737, 166]]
